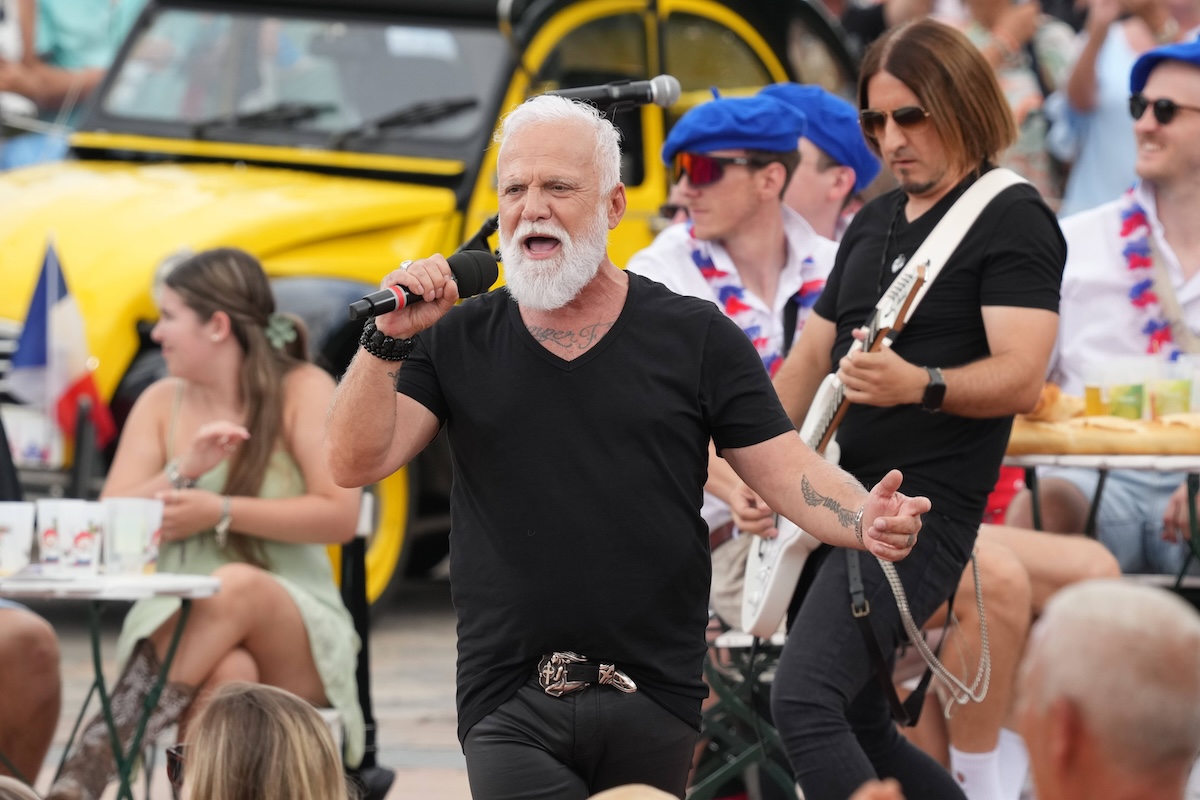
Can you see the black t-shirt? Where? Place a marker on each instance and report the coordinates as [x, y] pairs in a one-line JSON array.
[[578, 485], [1012, 256]]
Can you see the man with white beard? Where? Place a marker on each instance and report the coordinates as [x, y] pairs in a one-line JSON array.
[[579, 402]]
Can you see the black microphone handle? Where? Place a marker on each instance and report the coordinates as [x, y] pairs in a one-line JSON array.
[[474, 271]]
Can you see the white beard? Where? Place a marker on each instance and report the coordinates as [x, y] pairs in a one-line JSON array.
[[547, 285]]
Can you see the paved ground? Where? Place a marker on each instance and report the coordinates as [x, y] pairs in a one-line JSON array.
[[412, 666]]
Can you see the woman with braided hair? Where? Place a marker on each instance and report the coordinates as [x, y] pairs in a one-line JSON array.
[[231, 442]]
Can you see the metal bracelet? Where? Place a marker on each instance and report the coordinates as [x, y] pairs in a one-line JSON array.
[[176, 478], [222, 526], [858, 525]]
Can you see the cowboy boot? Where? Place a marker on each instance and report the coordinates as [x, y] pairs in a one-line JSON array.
[[91, 765]]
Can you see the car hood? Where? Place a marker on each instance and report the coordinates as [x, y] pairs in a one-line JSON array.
[[111, 224]]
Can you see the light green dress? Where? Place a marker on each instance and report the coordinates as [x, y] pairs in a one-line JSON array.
[[302, 569]]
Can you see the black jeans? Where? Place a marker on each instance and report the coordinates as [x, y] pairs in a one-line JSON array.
[[536, 747], [826, 702]]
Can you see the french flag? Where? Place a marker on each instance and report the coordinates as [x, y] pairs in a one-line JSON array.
[[50, 368]]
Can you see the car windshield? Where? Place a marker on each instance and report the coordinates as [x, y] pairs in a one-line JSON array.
[[239, 76]]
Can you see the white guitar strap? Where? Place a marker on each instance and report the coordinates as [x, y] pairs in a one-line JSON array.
[[941, 243]]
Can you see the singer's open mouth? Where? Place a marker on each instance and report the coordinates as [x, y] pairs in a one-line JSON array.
[[540, 245]]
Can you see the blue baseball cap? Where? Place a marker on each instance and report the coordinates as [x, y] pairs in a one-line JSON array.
[[1187, 52], [832, 126], [734, 123]]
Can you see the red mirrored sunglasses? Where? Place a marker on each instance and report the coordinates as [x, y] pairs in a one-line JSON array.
[[873, 122], [704, 170]]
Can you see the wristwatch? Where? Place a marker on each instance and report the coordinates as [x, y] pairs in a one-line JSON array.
[[935, 392]]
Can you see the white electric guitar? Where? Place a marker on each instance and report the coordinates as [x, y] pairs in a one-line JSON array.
[[773, 566]]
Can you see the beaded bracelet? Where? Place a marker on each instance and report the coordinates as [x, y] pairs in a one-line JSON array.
[[380, 345]]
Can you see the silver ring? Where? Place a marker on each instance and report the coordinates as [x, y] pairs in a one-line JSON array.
[[404, 264], [912, 539]]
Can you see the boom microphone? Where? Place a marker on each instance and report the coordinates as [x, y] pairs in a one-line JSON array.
[[662, 91], [474, 271]]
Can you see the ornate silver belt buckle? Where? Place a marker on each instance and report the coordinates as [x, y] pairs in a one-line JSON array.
[[552, 673], [611, 676]]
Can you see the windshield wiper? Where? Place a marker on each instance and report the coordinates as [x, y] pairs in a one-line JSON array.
[[286, 113], [420, 113]]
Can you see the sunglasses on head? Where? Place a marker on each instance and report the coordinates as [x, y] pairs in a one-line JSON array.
[[1164, 109], [873, 122], [704, 170], [175, 759]]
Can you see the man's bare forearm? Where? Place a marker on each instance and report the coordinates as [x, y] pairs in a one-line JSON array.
[[818, 496], [361, 423]]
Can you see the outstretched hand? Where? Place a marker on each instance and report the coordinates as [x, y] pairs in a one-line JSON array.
[[891, 520]]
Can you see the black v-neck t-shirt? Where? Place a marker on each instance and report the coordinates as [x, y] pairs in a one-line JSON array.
[[578, 485], [1012, 256]]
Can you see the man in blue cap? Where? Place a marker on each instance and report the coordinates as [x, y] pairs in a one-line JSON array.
[[759, 261], [835, 163], [1130, 289]]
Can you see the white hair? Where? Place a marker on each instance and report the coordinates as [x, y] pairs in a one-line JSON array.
[[548, 108], [1127, 656]]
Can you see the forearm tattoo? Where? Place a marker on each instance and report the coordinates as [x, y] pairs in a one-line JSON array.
[[571, 340], [814, 498]]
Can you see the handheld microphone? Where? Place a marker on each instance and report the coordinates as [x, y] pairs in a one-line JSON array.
[[662, 91], [474, 271]]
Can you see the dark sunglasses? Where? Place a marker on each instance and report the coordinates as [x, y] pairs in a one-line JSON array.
[[873, 122], [175, 759], [1164, 109], [704, 170], [669, 210]]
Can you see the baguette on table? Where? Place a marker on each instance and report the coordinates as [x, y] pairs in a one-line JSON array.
[[1057, 426]]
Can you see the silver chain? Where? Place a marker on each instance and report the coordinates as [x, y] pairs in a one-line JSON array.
[[960, 693]]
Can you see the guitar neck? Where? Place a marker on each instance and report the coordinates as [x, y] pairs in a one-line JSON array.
[[833, 409]]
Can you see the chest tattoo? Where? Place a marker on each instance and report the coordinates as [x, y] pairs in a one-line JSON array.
[[582, 339]]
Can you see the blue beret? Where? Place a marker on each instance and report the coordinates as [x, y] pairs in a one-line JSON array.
[[1188, 52], [832, 126], [736, 123]]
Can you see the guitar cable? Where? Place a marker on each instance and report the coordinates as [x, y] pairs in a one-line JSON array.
[[960, 693]]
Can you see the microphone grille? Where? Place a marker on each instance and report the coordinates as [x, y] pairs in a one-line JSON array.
[[475, 271], [665, 90]]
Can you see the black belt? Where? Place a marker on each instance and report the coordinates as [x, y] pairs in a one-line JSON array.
[[565, 672]]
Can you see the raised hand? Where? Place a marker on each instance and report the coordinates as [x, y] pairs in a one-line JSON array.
[[432, 280], [213, 442], [891, 520]]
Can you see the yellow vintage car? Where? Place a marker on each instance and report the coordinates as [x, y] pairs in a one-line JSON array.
[[335, 139]]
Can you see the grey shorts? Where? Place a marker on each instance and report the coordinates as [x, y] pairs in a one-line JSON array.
[[1129, 521]]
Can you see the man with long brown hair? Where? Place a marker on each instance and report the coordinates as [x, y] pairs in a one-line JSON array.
[[939, 401]]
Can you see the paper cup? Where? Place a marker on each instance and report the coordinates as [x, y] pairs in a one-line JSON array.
[[16, 536], [132, 534], [70, 535]]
